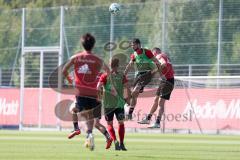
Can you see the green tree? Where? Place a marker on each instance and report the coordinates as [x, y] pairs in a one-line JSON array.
[[188, 34]]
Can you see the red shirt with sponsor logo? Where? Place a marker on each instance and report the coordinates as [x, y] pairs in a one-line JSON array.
[[87, 67], [168, 71], [148, 53]]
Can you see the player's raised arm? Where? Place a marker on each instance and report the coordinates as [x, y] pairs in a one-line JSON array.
[[99, 90], [163, 63], [128, 67], [158, 64], [127, 87]]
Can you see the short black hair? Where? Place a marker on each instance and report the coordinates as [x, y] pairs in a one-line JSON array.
[[114, 62], [136, 40], [88, 41], [156, 49]]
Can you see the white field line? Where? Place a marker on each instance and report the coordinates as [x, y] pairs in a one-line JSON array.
[[7, 138]]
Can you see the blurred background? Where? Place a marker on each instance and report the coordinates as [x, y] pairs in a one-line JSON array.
[[202, 37]]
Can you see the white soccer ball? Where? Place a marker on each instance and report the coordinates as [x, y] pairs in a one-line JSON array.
[[114, 8]]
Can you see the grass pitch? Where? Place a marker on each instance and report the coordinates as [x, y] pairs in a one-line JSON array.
[[15, 145]]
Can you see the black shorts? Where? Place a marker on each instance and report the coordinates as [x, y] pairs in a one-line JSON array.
[[142, 79], [87, 103], [119, 113], [165, 88]]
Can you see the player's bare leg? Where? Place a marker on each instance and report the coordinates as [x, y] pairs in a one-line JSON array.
[[76, 130], [160, 114], [161, 109], [154, 106], [133, 101], [90, 139], [104, 131], [146, 120]]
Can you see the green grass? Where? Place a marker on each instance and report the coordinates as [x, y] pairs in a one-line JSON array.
[[16, 145]]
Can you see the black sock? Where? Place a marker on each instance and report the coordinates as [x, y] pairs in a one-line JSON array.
[[131, 110], [106, 134], [149, 116], [158, 120], [76, 127], [88, 132]]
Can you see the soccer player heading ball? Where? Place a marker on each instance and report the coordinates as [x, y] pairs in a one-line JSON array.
[[144, 61], [165, 88]]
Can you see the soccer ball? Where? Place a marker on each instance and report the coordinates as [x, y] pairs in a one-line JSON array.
[[114, 8]]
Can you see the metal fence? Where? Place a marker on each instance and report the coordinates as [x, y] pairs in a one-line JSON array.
[[182, 72], [202, 37]]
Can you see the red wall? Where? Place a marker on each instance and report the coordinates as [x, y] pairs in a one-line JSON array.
[[214, 108]]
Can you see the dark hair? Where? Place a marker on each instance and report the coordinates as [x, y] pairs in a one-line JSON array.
[[114, 62], [87, 41], [136, 40], [156, 49]]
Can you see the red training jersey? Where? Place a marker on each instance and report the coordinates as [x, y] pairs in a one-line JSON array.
[[168, 71], [87, 67]]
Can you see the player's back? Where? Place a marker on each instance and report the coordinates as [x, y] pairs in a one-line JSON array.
[[87, 67]]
